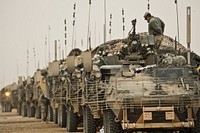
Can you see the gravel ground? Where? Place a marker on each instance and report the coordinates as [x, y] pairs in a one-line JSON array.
[[13, 123]]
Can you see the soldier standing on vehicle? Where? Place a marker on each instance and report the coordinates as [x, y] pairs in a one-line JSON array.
[[155, 27]]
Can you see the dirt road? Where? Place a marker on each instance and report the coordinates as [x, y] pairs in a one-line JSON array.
[[13, 123]]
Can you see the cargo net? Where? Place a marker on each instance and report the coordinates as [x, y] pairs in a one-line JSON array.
[[136, 94], [168, 42], [74, 92]]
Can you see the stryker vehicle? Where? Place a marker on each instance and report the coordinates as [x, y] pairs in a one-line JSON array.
[[142, 86], [29, 97], [72, 83], [21, 108], [37, 91], [51, 95], [8, 97]]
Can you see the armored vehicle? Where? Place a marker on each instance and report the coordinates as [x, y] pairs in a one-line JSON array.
[[9, 97], [143, 86]]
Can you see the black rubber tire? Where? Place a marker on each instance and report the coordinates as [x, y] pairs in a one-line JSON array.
[[24, 109], [89, 124], [197, 122], [37, 112], [72, 120], [50, 113], [55, 115], [28, 109], [32, 113], [62, 116], [19, 108], [110, 126], [7, 107]]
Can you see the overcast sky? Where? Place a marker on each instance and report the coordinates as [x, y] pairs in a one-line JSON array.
[[25, 23]]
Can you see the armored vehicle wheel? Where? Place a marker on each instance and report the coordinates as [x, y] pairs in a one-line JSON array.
[[55, 116], [37, 112], [19, 108], [89, 125], [187, 131], [50, 113], [32, 113], [62, 116], [197, 122], [24, 109], [72, 120], [8, 107], [28, 109], [110, 126]]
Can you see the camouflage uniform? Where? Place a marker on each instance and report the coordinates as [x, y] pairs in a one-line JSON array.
[[156, 26]]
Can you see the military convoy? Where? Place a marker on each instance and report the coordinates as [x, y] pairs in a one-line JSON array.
[[124, 85]]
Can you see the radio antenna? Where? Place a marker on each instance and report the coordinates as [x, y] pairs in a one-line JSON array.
[[148, 6], [34, 57], [88, 33], [110, 24], [65, 25], [104, 21], [49, 44], [27, 52], [123, 21], [74, 21], [177, 20], [45, 52]]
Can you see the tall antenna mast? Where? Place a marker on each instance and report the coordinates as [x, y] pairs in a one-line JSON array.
[[188, 33], [95, 32], [88, 33], [123, 20], [27, 62], [38, 65], [17, 68], [177, 18], [34, 57], [45, 52], [148, 6], [110, 24], [49, 44], [55, 50], [74, 20], [63, 54], [59, 48], [104, 21], [65, 24]]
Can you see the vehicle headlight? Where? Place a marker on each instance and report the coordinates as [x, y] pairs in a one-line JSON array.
[[7, 94], [78, 75], [98, 75], [198, 70]]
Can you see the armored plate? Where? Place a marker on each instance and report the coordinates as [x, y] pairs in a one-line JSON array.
[[147, 39], [14, 86], [37, 76], [111, 60], [45, 88], [28, 80], [70, 64], [54, 68], [20, 82], [87, 61]]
